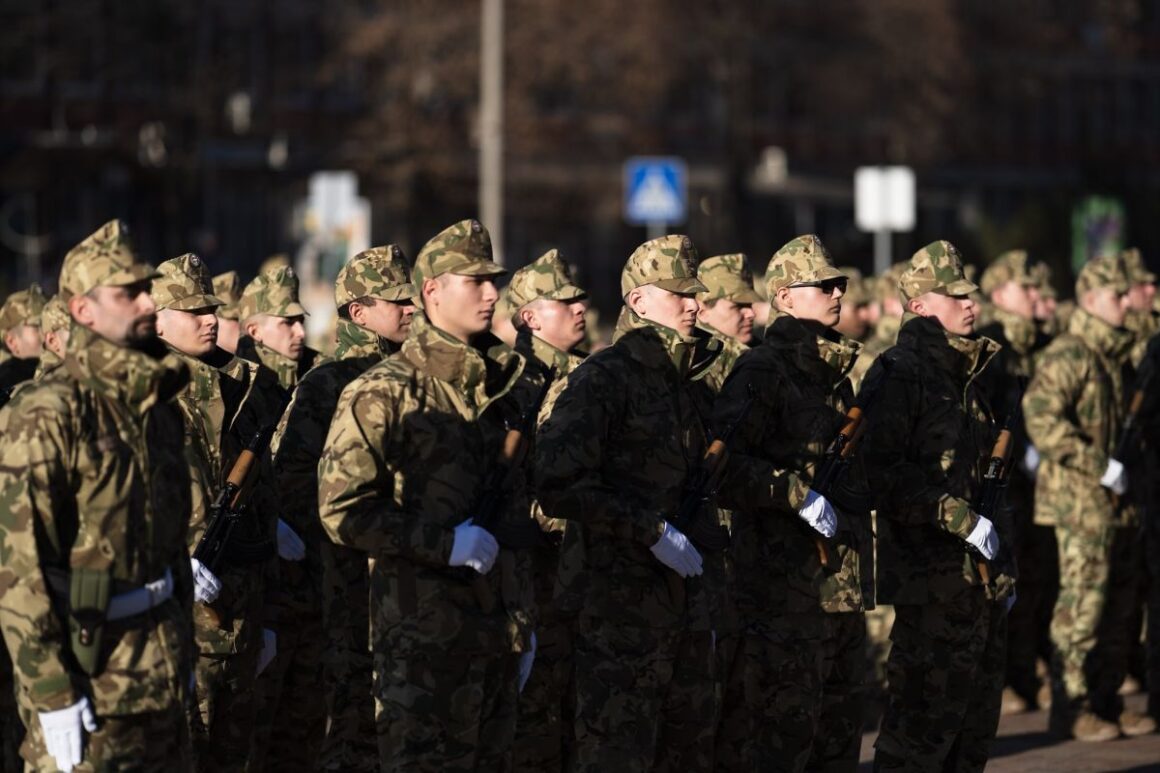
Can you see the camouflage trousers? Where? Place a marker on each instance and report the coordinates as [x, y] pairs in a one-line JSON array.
[[646, 699], [1091, 627], [349, 743], [945, 677], [11, 726], [544, 721], [804, 688], [445, 711], [290, 717], [879, 621], [1029, 624], [155, 741], [733, 738], [223, 721]]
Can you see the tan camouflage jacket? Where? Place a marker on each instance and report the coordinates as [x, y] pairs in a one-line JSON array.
[[1144, 326], [801, 398], [1074, 411], [289, 371], [929, 433], [297, 446], [93, 477], [404, 462]]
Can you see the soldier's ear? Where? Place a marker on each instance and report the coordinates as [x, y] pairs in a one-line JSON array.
[[635, 300], [80, 308], [784, 298]]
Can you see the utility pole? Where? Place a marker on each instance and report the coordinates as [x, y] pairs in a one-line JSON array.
[[491, 124]]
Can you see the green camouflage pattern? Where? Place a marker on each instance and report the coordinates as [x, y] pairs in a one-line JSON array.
[[105, 258], [22, 308], [1010, 266], [1102, 271], [728, 277], [55, 317], [936, 268], [669, 262], [1136, 268], [1042, 274], [462, 248], [273, 292], [801, 260], [184, 284], [380, 272], [228, 287], [289, 371], [731, 350], [545, 277], [885, 335], [857, 288]]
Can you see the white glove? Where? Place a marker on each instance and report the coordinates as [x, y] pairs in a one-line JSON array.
[[1031, 460], [985, 538], [1011, 601], [269, 649], [675, 551], [1115, 477], [206, 585], [473, 546], [64, 732], [290, 545], [819, 514], [526, 661]]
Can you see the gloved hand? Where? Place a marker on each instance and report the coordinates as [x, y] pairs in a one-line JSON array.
[[1011, 601], [473, 546], [526, 661], [985, 538], [819, 514], [1031, 460], [206, 585], [269, 649], [64, 732], [1115, 477], [290, 545], [675, 551]]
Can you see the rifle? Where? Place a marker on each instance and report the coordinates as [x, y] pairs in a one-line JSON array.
[[502, 477], [995, 481], [1130, 434], [228, 508]]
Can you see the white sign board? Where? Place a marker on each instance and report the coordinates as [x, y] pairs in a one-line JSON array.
[[884, 198]]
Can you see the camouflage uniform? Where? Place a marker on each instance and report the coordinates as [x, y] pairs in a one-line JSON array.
[[21, 308], [805, 635], [727, 277], [333, 588], [275, 292], [227, 288], [411, 441], [1074, 412], [53, 319], [885, 333], [929, 432], [226, 402], [97, 499]]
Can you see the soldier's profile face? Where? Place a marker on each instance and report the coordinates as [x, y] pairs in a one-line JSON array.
[[285, 335], [560, 323], [673, 310], [1016, 298], [460, 305], [23, 341], [191, 332], [124, 315], [822, 304], [733, 319], [388, 319], [1107, 304], [956, 313], [1140, 296]]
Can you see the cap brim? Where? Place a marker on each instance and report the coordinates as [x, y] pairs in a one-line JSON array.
[[960, 287], [568, 292], [479, 268], [821, 275], [292, 310], [403, 292], [195, 302], [745, 295], [138, 272], [685, 286]]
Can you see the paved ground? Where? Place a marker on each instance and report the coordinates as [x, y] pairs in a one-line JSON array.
[[1023, 746]]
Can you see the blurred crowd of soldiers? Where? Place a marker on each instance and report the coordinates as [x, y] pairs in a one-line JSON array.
[[474, 538]]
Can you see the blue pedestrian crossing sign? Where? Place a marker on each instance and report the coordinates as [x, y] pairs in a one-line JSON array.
[[655, 190]]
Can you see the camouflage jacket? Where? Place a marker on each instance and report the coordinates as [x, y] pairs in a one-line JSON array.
[[227, 402], [1074, 412], [1144, 326], [929, 435], [93, 477], [289, 371], [885, 336], [731, 350], [404, 463], [297, 447], [801, 395]]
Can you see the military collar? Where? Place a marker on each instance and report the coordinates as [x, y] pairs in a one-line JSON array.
[[288, 371], [828, 354], [960, 356], [482, 370], [356, 342], [1112, 342], [49, 361], [141, 379], [1144, 324], [726, 340], [536, 350], [1020, 333], [652, 345]]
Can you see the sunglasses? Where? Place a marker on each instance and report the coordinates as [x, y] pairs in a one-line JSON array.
[[827, 286]]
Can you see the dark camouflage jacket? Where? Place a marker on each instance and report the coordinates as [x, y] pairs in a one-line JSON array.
[[288, 371]]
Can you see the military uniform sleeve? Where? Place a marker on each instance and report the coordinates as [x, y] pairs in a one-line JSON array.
[[357, 482], [34, 488], [570, 457], [298, 445], [1047, 405], [902, 460]]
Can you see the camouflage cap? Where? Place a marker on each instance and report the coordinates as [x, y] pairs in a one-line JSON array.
[[185, 284], [669, 262], [55, 316], [380, 272], [273, 292], [728, 277], [936, 268], [545, 277], [22, 308], [503, 306], [1042, 274], [1011, 266], [1104, 271], [886, 284], [273, 262], [463, 248], [1138, 273], [800, 261], [228, 287], [857, 290], [105, 258]]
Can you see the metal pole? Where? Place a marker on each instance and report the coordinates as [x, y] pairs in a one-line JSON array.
[[882, 259], [656, 230], [491, 124]]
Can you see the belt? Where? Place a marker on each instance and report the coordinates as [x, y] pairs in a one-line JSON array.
[[139, 600]]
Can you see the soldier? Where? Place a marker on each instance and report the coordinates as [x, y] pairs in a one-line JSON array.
[[727, 309], [549, 318], [330, 617], [1046, 317], [228, 288], [400, 477], [502, 326], [272, 326], [929, 432], [885, 332], [804, 649], [1011, 285], [20, 338], [96, 600], [855, 322], [1074, 412], [55, 324], [227, 401]]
